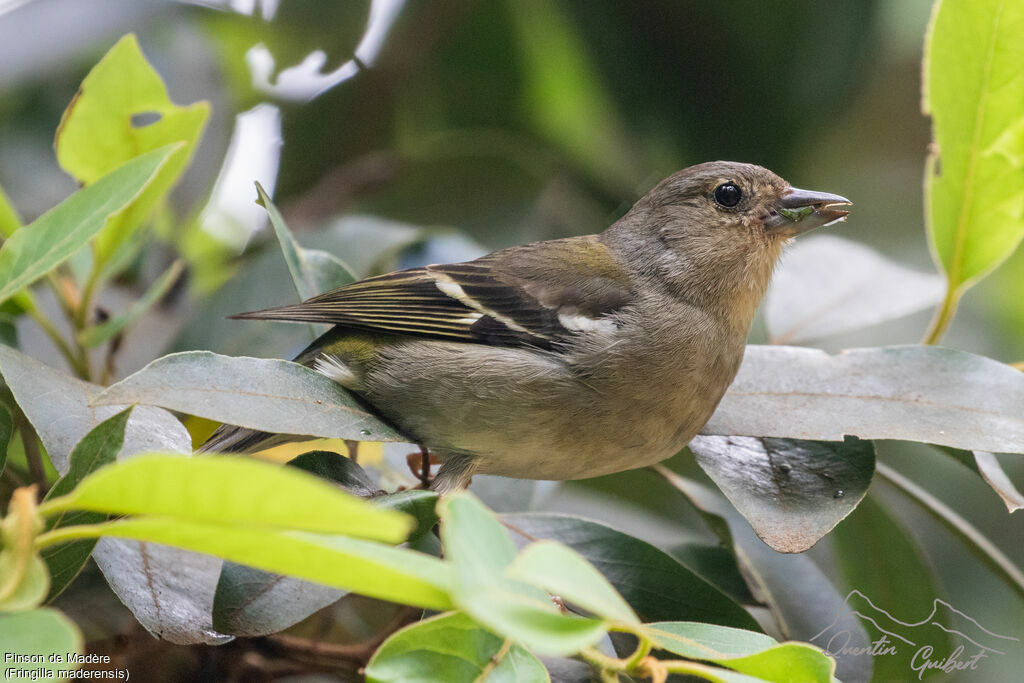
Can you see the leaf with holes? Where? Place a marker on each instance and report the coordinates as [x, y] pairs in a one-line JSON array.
[[122, 110]]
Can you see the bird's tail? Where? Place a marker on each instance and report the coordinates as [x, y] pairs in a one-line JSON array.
[[231, 439]]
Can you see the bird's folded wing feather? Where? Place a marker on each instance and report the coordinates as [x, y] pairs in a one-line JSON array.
[[537, 294]]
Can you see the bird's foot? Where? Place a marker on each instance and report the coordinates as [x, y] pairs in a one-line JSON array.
[[419, 465]]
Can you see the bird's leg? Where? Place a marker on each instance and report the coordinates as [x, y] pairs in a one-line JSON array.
[[419, 465], [456, 473]]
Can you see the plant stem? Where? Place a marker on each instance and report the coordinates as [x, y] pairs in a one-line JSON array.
[[943, 316]]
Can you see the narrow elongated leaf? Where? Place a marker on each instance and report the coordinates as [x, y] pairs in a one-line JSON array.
[[101, 129], [452, 648], [58, 408], [792, 492], [270, 395], [996, 477], [40, 632], [562, 572], [912, 393], [303, 269], [98, 334], [98, 448], [974, 181], [656, 586], [55, 236], [229, 490], [826, 285], [366, 567]]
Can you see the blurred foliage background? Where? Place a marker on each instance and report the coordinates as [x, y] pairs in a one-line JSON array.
[[394, 133]]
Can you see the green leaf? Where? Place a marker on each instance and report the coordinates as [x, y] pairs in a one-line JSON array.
[[976, 542], [100, 130], [974, 181], [352, 564], [908, 589], [6, 432], [749, 653], [32, 588], [563, 572], [251, 602], [229, 490], [10, 221], [909, 393], [40, 633], [269, 395], [452, 648], [55, 236], [98, 448], [474, 540], [97, 334], [482, 552], [58, 407], [654, 584], [792, 492], [308, 272], [801, 599]]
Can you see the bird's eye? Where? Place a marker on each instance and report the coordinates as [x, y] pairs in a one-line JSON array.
[[728, 195]]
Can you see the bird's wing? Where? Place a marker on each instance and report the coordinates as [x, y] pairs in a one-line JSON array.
[[537, 294]]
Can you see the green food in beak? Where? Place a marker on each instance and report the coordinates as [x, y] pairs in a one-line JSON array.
[[801, 210]]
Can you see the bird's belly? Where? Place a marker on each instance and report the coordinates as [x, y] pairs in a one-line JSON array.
[[520, 415]]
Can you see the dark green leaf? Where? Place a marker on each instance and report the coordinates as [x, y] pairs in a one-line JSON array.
[[908, 588], [98, 448], [655, 585], [6, 432]]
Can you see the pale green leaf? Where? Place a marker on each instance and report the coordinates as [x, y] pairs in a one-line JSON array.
[[101, 129], [563, 572], [352, 564], [452, 648], [754, 654], [40, 633], [974, 91], [10, 220], [230, 490], [55, 236]]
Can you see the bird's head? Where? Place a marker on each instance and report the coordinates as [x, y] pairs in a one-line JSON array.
[[718, 228]]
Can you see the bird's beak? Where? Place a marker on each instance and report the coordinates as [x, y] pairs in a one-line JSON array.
[[798, 211]]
